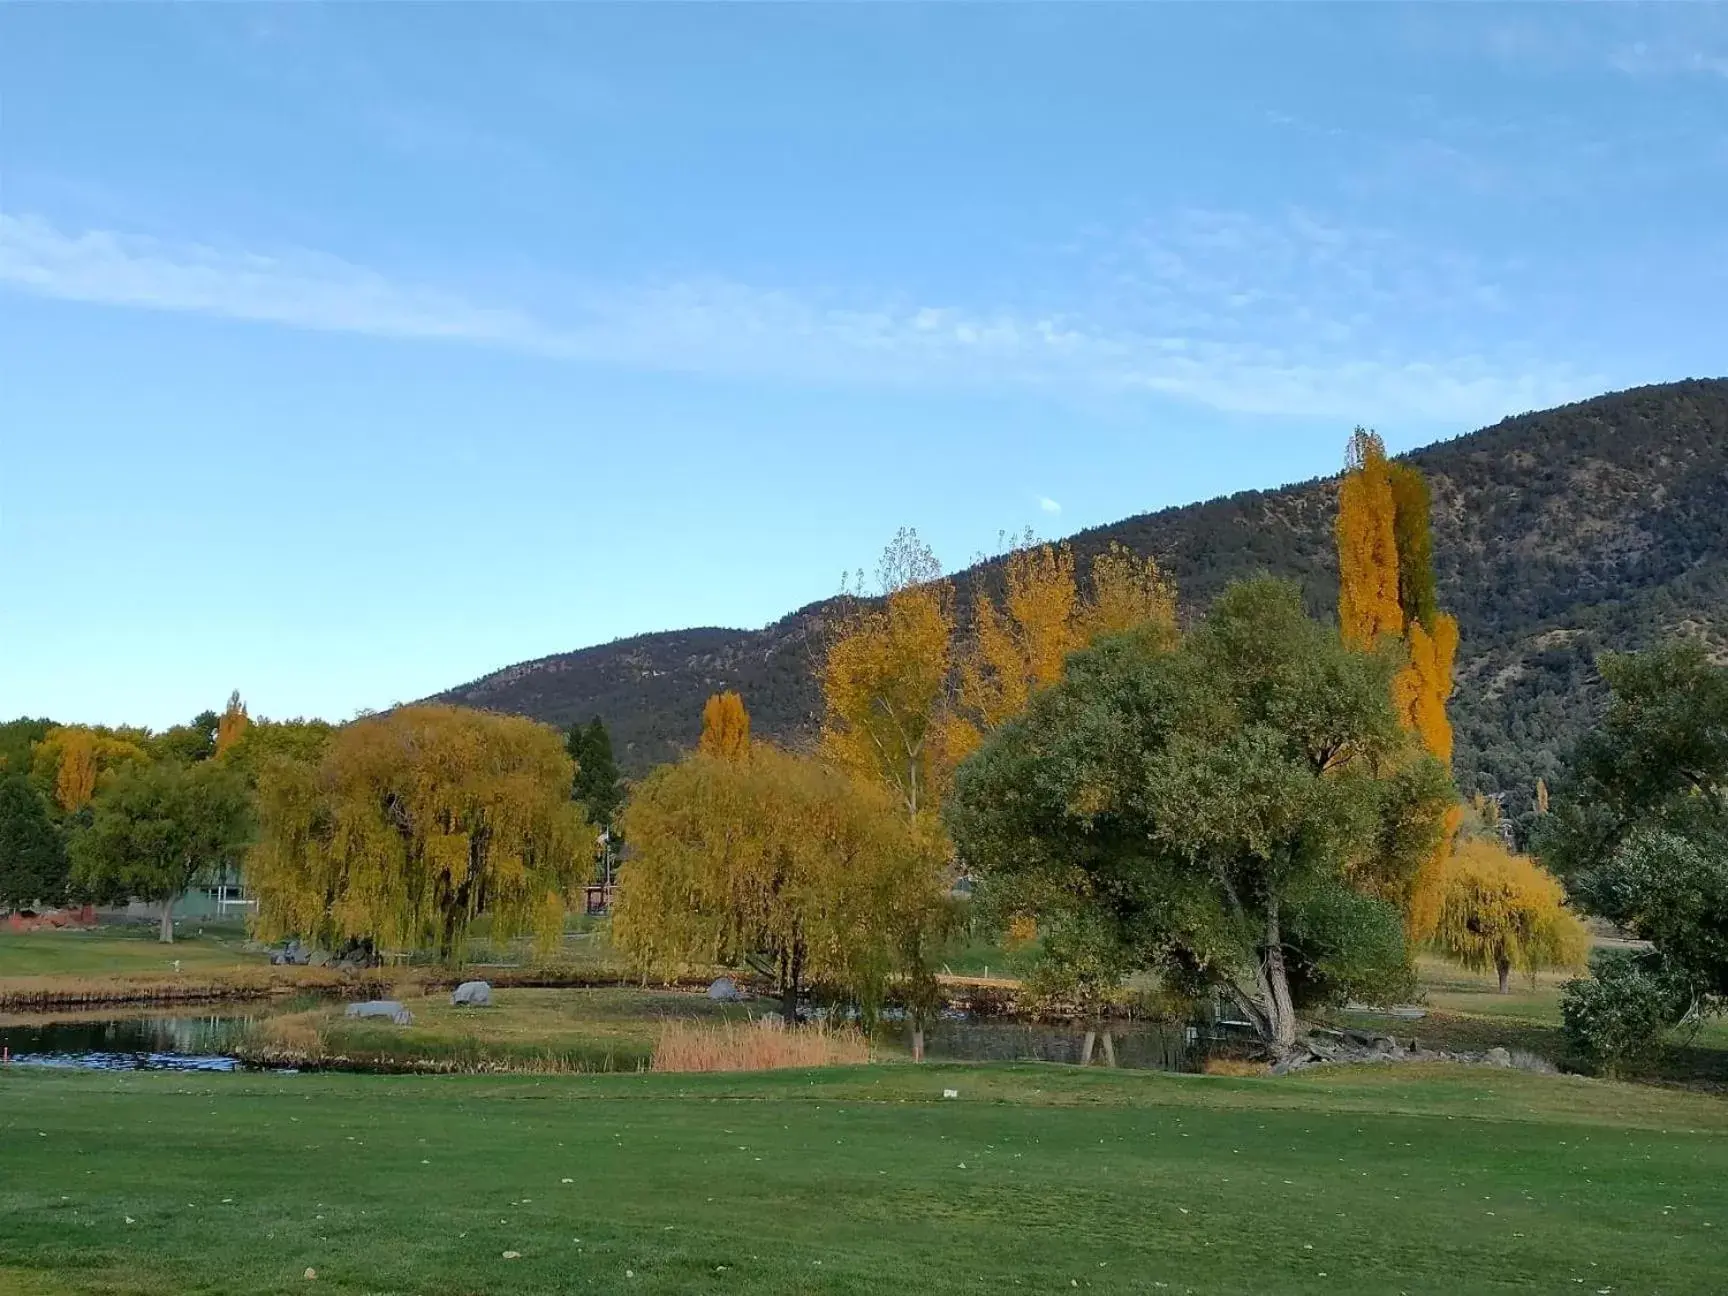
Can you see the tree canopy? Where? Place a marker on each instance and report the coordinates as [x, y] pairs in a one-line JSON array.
[[69, 759], [1230, 811], [411, 824], [780, 862], [155, 829], [1638, 830]]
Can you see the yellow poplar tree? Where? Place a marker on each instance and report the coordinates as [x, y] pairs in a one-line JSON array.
[[1503, 911], [1368, 606], [1386, 589], [411, 824], [231, 725], [725, 727], [885, 680], [1128, 592], [1019, 648]]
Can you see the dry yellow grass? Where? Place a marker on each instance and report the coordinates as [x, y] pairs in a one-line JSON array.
[[1238, 1067], [755, 1046]]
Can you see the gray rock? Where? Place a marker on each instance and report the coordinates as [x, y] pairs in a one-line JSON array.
[[388, 1009], [725, 989], [475, 994], [320, 958], [1498, 1056]]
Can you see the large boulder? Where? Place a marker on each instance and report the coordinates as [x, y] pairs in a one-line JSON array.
[[725, 990], [473, 994], [385, 1009]]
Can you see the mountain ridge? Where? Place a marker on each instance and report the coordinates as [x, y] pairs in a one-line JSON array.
[[1557, 533]]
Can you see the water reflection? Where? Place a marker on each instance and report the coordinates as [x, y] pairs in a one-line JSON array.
[[129, 1043]]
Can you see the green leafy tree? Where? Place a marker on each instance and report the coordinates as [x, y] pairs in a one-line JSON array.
[[188, 742], [17, 737], [1229, 812], [261, 742], [32, 855], [156, 829], [1639, 829]]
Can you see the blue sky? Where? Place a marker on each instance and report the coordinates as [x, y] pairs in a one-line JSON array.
[[349, 352]]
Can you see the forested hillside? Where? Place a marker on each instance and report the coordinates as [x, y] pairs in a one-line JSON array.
[[1602, 524]]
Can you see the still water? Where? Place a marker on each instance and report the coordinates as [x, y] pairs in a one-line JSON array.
[[128, 1043], [208, 1043]]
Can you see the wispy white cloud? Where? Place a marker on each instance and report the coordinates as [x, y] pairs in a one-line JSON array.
[[1302, 317], [1049, 505]]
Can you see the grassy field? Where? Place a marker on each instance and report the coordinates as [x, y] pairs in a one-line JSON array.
[[860, 1180], [119, 951], [1466, 1012]]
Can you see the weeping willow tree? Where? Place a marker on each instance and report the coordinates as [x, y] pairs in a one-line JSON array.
[[779, 862], [1503, 912], [412, 824]]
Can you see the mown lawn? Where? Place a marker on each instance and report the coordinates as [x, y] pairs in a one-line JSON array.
[[1036, 1178], [119, 951]]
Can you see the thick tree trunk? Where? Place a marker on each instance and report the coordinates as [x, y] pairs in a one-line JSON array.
[[792, 974], [165, 933], [1279, 1009], [1504, 968], [1109, 1042], [918, 1043], [1087, 1047]]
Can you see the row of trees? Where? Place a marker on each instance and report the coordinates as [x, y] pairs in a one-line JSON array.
[[1261, 805], [101, 814]]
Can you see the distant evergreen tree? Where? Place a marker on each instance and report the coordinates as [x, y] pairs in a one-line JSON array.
[[597, 787], [32, 856]]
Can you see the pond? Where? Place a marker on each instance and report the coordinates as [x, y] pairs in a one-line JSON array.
[[210, 1041], [202, 1043]]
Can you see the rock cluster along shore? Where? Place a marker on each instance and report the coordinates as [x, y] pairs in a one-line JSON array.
[[1331, 1046]]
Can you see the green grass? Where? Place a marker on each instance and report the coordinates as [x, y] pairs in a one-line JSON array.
[[1467, 1013], [119, 951], [1408, 1179]]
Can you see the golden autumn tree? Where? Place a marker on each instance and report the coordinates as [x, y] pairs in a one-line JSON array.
[[1503, 911], [411, 824], [782, 863], [66, 764], [1019, 646], [1386, 591], [1368, 606], [910, 692], [725, 727], [231, 724], [886, 679]]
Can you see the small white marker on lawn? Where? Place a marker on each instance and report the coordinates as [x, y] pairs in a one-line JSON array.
[[950, 1093]]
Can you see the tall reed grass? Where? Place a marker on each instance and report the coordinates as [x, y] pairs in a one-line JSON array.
[[755, 1046]]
